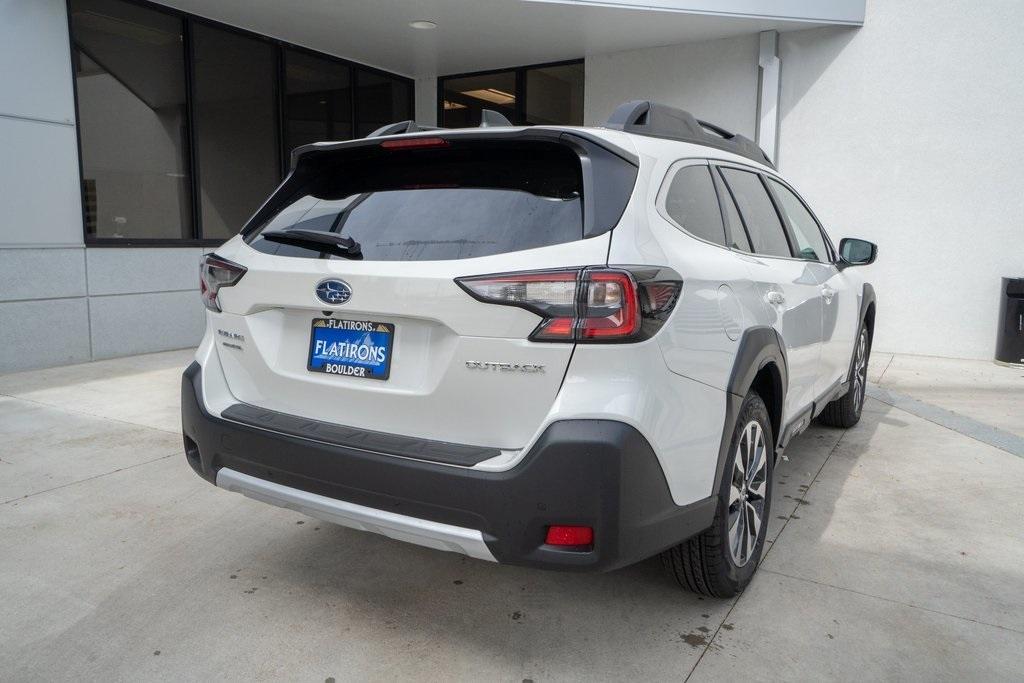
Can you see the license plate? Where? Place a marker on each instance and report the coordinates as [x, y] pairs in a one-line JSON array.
[[351, 348]]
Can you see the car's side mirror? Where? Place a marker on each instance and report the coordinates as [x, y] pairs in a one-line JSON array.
[[855, 252]]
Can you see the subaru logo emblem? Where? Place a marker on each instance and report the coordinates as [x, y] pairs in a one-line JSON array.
[[333, 292]]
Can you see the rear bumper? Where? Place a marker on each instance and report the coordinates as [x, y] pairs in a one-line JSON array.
[[597, 473]]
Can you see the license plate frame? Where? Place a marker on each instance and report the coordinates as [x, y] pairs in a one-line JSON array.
[[360, 334]]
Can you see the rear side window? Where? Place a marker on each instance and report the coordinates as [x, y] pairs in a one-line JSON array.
[[762, 221], [691, 202], [810, 245], [456, 202]]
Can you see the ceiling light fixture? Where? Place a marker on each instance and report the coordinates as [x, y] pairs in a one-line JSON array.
[[423, 24], [492, 95]]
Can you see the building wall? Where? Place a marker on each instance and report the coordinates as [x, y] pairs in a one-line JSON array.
[[42, 261], [902, 132], [426, 100], [60, 302], [715, 80], [907, 132]]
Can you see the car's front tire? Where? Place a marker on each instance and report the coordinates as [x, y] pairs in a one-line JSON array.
[[721, 561], [845, 411]]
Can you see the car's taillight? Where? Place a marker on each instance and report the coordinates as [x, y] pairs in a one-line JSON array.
[[214, 273], [584, 304]]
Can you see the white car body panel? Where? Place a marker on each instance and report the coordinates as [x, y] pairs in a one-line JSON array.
[[840, 323], [671, 388], [431, 392]]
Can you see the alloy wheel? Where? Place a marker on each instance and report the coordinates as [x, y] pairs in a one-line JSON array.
[[860, 371], [747, 493]]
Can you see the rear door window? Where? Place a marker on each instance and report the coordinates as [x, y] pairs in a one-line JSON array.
[[461, 202], [692, 204], [767, 235]]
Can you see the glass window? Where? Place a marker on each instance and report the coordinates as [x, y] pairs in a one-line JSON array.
[[540, 95], [465, 97], [236, 127], [692, 204], [809, 241], [318, 100], [185, 125], [133, 124], [554, 95], [419, 205], [759, 215], [734, 224], [380, 100]]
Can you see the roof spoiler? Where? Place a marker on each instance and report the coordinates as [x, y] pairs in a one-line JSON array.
[[652, 119], [488, 119]]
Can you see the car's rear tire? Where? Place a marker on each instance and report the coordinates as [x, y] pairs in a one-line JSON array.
[[845, 411], [721, 561]]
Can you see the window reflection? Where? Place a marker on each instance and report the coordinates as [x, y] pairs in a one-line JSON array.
[[130, 76], [466, 97], [236, 114], [537, 95], [318, 103]]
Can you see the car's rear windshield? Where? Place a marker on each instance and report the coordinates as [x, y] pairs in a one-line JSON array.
[[463, 200]]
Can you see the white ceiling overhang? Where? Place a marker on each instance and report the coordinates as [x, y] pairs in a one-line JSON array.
[[474, 35]]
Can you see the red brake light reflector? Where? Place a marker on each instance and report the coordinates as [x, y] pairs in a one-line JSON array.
[[570, 535], [413, 143]]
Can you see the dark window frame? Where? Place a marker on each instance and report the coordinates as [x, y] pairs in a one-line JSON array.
[[188, 47], [520, 84]]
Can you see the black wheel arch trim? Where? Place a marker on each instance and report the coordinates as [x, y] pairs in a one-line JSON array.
[[867, 300], [758, 347]]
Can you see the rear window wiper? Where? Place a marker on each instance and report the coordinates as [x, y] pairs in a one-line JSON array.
[[317, 239]]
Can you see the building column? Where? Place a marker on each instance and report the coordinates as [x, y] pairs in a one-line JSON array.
[[426, 100], [768, 83]]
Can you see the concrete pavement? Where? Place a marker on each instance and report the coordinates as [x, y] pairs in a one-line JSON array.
[[897, 552]]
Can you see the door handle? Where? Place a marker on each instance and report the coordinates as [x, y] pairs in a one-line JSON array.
[[775, 298], [828, 293]]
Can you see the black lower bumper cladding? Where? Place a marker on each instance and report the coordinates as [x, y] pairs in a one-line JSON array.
[[597, 473]]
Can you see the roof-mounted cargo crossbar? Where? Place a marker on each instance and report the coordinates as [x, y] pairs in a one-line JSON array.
[[643, 117], [488, 119]]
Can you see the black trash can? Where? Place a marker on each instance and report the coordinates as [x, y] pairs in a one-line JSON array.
[[1010, 343]]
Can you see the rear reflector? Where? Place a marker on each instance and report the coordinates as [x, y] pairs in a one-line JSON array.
[[414, 143], [595, 304], [570, 535]]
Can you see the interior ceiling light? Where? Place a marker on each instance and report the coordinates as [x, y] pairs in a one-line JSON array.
[[423, 24], [448, 104], [491, 95]]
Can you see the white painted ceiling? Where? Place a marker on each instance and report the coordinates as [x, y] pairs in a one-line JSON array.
[[473, 35]]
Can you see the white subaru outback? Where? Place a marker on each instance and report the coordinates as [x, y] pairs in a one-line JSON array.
[[568, 348]]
